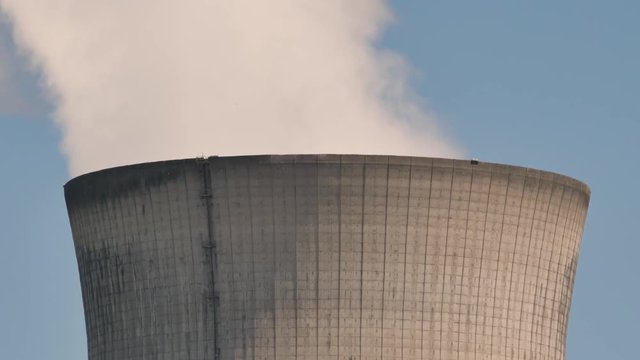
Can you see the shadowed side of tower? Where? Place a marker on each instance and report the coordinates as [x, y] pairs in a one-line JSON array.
[[326, 257]]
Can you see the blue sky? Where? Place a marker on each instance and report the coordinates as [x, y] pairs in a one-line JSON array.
[[545, 84]]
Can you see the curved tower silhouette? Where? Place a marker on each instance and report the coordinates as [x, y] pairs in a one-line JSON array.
[[326, 257]]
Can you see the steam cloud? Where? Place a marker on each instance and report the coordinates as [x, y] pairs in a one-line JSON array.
[[16, 91], [137, 81]]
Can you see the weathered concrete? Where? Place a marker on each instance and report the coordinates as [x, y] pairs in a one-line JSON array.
[[326, 257]]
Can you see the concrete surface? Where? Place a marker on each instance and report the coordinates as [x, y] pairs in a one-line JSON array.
[[326, 257]]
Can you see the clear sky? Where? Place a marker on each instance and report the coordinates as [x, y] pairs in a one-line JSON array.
[[546, 84]]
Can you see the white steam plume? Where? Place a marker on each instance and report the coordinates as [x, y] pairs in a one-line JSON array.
[[16, 95], [144, 80]]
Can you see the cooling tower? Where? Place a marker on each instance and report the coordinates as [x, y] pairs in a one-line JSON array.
[[326, 257]]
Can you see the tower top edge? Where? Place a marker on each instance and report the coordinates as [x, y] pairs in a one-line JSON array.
[[345, 159]]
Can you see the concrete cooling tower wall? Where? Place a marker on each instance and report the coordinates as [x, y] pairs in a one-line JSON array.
[[326, 257]]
